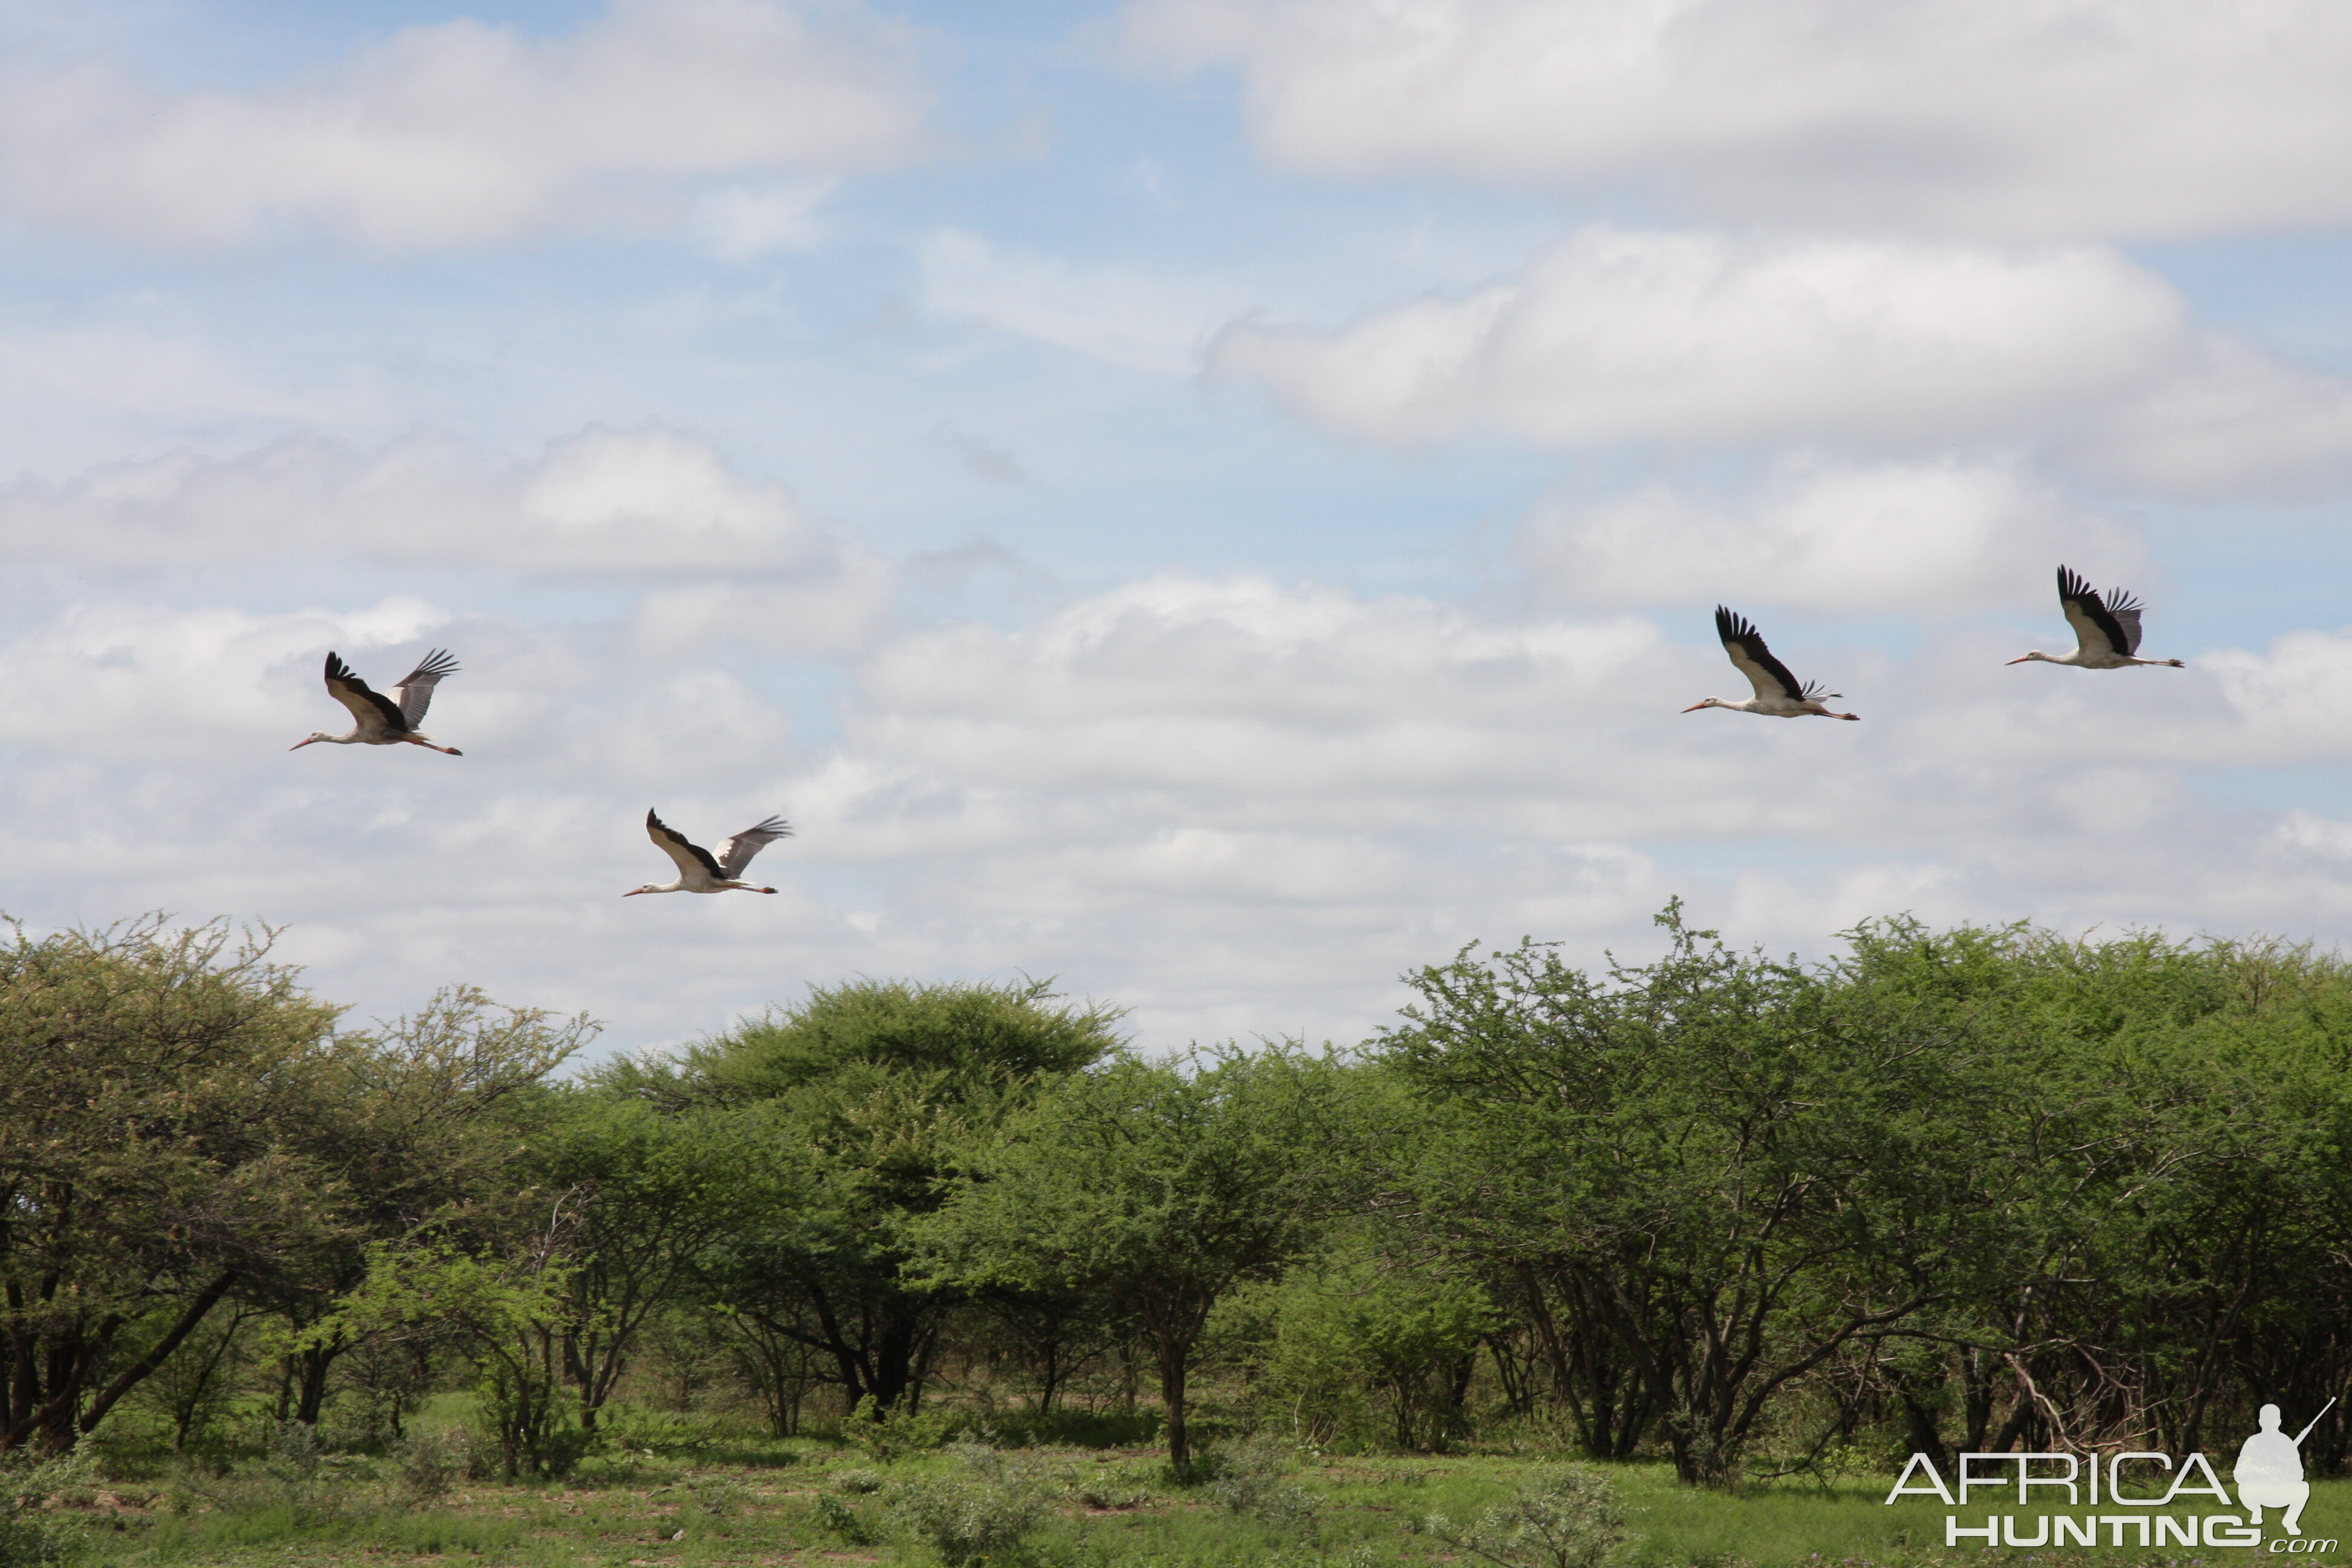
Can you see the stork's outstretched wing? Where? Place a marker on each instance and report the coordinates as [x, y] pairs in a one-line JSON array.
[[693, 859], [376, 713], [2097, 625], [735, 854], [1766, 674], [415, 687], [2125, 610]]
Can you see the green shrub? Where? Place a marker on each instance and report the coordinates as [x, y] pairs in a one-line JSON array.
[[29, 1537], [715, 1496], [857, 1483], [1247, 1477], [839, 1519], [886, 1434], [1563, 1518], [666, 1431], [985, 1511], [433, 1462], [1360, 1353], [289, 1483], [1112, 1487]]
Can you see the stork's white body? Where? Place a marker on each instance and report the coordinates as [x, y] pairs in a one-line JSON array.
[[2106, 628], [1771, 707], [1778, 694], [701, 870], [377, 720]]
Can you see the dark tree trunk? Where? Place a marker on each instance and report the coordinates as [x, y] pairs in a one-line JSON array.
[[1173, 1356], [311, 1380]]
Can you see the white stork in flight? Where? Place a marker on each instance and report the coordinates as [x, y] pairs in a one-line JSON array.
[[2106, 628], [380, 721], [1778, 694], [701, 871]]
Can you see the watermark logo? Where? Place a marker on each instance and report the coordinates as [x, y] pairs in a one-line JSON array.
[[2268, 1474]]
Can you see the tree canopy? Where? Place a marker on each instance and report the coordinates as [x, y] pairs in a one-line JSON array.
[[1982, 1188]]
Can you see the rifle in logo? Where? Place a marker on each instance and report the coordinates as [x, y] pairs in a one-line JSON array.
[[2269, 1472]]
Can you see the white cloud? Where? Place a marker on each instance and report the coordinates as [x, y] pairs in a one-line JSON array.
[[459, 133], [828, 614], [2021, 119], [1127, 315], [2230, 419], [1692, 335], [1697, 336], [601, 501], [743, 223], [1239, 805], [1916, 539], [2294, 702], [123, 682]]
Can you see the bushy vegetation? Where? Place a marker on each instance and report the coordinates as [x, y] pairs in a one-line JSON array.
[[962, 1255]]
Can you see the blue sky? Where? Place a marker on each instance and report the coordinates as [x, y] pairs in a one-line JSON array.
[[1215, 502]]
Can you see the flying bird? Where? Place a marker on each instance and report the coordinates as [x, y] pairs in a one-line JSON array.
[[380, 721], [1778, 694], [2106, 628], [700, 870]]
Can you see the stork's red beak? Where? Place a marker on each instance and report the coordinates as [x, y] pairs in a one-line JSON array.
[[633, 893], [300, 744], [1694, 707], [2020, 658]]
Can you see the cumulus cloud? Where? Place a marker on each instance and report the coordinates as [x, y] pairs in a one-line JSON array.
[[743, 223], [2018, 119], [460, 133], [1125, 315], [125, 682], [1920, 540], [600, 501], [2229, 419], [1695, 335], [1699, 336], [1238, 805]]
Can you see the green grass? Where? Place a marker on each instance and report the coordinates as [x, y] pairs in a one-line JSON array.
[[746, 1503]]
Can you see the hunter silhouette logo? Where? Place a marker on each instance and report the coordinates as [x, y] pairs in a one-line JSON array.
[[2268, 1475], [2269, 1472]]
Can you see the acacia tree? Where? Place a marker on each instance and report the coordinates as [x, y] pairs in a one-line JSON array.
[[1160, 1185], [415, 1121], [1716, 1171], [151, 1081], [504, 1310], [857, 1106], [2177, 1248], [651, 1194]]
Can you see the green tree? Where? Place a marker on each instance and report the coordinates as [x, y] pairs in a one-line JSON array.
[[650, 1194], [1352, 1330], [153, 1086], [857, 1106], [1161, 1185], [2174, 1249], [417, 1121], [1720, 1172], [506, 1311]]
